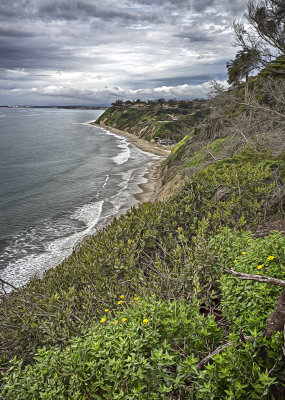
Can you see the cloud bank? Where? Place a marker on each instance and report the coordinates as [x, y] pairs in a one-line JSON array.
[[90, 52]]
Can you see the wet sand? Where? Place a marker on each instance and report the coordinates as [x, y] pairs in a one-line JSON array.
[[154, 179]]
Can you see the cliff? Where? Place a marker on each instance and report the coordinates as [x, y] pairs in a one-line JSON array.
[[153, 307], [155, 120]]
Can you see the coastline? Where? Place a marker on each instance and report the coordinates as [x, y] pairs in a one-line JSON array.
[[141, 192], [140, 143], [153, 175]]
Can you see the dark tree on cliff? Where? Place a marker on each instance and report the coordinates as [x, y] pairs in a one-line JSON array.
[[246, 60], [268, 20], [265, 38]]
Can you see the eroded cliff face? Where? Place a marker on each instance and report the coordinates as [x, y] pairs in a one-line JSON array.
[[234, 125], [170, 187]]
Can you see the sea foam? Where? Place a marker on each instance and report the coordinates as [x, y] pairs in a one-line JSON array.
[[48, 244]]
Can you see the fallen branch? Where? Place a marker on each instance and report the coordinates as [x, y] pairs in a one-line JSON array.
[[258, 278], [7, 283], [202, 363]]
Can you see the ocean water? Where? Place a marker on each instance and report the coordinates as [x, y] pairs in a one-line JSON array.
[[60, 180]]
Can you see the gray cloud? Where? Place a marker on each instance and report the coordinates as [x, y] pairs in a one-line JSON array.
[[93, 96], [131, 44]]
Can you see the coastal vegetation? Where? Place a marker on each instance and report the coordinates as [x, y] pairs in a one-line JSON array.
[[155, 120], [182, 297]]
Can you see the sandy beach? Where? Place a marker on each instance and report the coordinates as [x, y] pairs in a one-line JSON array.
[[154, 179]]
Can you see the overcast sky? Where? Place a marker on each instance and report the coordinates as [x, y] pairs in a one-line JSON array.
[[56, 52]]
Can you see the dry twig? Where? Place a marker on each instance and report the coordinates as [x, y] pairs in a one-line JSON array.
[[258, 278]]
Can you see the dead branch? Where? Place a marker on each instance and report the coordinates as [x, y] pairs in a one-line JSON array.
[[258, 278], [3, 282], [202, 363], [262, 108], [276, 320]]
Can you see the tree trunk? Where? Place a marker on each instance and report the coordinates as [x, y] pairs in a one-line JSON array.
[[246, 87], [276, 320]]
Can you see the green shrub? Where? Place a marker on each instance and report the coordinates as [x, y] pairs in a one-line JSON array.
[[247, 304], [144, 351], [244, 371]]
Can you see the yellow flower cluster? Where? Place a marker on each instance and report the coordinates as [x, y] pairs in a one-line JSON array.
[[123, 320], [235, 261], [269, 258]]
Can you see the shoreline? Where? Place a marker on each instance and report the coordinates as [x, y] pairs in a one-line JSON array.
[[153, 175], [142, 144], [144, 192]]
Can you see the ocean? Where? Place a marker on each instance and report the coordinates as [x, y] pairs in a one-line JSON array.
[[61, 179]]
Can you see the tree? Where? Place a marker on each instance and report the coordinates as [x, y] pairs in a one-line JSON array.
[[243, 64], [246, 60], [268, 20], [160, 101], [267, 28], [118, 103]]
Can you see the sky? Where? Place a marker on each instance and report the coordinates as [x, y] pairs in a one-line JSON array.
[[91, 52]]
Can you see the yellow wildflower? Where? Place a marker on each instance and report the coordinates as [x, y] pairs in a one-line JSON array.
[[249, 240], [145, 321], [243, 253], [260, 266], [120, 302], [121, 297], [102, 320], [124, 320], [136, 298], [270, 258], [107, 310], [235, 261]]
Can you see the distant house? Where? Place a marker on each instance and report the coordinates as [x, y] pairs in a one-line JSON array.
[[167, 142]]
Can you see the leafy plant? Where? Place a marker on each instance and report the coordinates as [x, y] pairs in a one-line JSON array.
[[144, 351]]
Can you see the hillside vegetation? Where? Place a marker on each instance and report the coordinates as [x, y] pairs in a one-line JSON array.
[[158, 119], [181, 298], [137, 309]]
